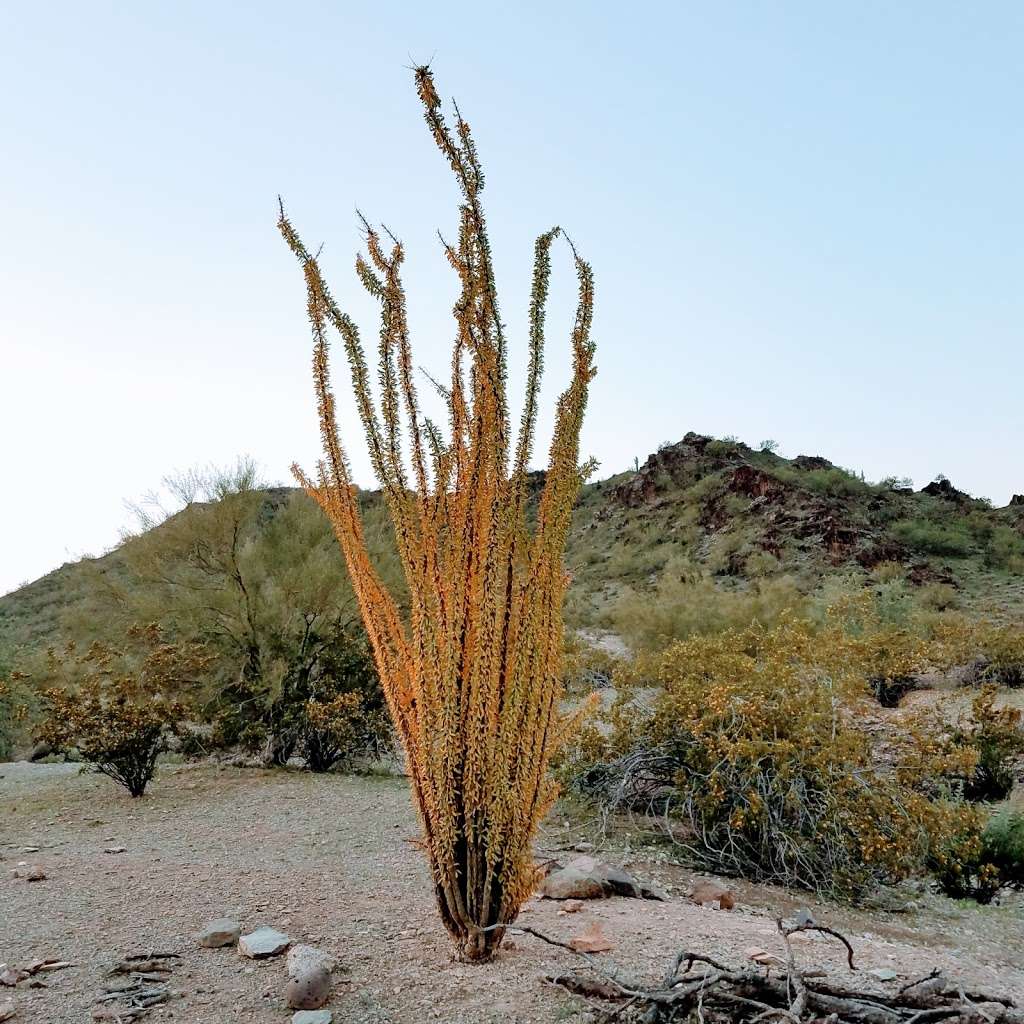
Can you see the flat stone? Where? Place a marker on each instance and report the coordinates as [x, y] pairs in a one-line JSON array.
[[312, 1017], [309, 990], [303, 958], [220, 932], [262, 943], [883, 974]]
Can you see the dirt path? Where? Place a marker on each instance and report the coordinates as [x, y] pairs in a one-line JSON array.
[[331, 861]]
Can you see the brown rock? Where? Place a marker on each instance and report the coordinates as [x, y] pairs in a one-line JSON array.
[[29, 872], [571, 883], [587, 878], [591, 940], [708, 893]]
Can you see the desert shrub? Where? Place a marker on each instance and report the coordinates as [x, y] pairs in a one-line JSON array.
[[889, 656], [326, 707], [1003, 649], [889, 572], [332, 730], [998, 737], [996, 650], [960, 866], [686, 602], [256, 575], [19, 705], [931, 538], [1003, 845], [16, 702], [588, 666], [1004, 549], [937, 597], [755, 744], [762, 563], [723, 448], [344, 716], [115, 716], [832, 482]]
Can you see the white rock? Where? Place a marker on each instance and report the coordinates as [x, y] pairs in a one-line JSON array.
[[262, 943], [883, 974], [312, 1017], [303, 958], [221, 932]]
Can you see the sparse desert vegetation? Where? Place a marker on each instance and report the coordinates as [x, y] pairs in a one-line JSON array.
[[726, 738]]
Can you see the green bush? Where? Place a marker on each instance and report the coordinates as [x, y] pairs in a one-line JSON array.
[[1003, 845], [833, 482], [256, 574], [687, 602], [18, 703], [932, 538], [1005, 550]]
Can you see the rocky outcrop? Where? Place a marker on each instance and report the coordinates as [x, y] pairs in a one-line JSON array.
[[756, 483], [943, 488]]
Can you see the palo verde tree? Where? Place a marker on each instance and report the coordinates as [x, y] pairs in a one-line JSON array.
[[471, 671]]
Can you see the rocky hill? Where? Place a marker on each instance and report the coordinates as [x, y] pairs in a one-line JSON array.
[[725, 512]]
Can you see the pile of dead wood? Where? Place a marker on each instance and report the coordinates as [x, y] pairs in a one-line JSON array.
[[137, 984], [703, 989]]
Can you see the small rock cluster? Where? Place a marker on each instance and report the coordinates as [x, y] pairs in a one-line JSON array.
[[28, 872], [309, 969]]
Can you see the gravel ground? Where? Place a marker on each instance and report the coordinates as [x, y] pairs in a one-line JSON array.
[[332, 861]]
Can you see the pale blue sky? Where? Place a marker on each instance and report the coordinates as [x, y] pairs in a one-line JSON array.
[[805, 219]]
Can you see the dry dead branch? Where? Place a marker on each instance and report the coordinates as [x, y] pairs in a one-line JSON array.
[[720, 994]]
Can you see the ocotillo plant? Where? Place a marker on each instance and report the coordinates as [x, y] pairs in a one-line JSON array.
[[471, 671]]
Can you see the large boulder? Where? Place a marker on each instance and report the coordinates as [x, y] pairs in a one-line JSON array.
[[587, 878]]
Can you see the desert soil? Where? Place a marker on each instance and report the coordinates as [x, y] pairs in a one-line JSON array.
[[333, 861]]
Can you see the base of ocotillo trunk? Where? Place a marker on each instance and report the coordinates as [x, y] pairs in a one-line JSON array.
[[479, 947]]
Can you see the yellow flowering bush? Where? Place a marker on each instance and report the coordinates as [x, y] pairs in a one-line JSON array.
[[757, 743], [997, 734]]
